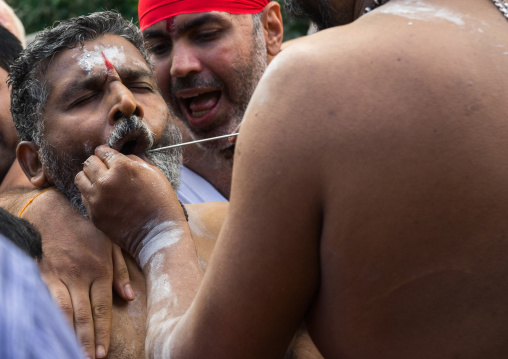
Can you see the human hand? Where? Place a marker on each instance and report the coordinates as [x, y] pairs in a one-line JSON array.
[[126, 198], [79, 266]]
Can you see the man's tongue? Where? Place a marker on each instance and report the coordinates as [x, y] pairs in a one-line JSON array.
[[200, 105]]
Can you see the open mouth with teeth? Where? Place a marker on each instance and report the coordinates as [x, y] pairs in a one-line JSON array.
[[199, 105]]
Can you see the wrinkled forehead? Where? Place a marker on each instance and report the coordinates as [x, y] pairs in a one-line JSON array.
[[154, 11], [99, 56]]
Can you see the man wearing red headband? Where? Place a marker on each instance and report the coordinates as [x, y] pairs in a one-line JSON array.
[[208, 58]]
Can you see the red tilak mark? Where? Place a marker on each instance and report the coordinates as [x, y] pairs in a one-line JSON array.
[[109, 65], [170, 24]]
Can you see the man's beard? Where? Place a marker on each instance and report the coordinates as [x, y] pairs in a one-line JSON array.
[[320, 12], [63, 167], [243, 82]]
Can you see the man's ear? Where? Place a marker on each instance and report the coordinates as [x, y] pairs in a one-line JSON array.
[[28, 157], [271, 22]]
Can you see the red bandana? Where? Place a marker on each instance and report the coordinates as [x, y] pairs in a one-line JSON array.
[[152, 11]]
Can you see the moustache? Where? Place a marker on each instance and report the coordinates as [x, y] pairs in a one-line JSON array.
[[126, 126], [195, 81]]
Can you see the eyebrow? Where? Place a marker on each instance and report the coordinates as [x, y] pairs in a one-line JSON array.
[[201, 20], [75, 87], [153, 33], [97, 80], [188, 25], [128, 74]]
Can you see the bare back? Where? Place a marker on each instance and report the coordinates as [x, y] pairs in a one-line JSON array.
[[417, 220], [372, 171]]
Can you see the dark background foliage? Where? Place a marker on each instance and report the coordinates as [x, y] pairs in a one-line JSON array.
[[38, 14]]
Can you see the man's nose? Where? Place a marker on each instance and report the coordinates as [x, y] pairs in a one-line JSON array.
[[184, 60], [125, 104]]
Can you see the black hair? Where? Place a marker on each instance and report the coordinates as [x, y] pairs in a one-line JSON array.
[[21, 233]]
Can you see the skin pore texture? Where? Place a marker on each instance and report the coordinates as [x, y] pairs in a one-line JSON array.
[[378, 217]]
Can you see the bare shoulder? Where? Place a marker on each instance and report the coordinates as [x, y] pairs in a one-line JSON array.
[[205, 222], [385, 69], [208, 215]]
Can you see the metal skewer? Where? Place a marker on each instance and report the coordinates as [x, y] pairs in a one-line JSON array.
[[192, 142]]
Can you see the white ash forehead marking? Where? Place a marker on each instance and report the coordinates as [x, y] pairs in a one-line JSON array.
[[90, 59], [419, 10]]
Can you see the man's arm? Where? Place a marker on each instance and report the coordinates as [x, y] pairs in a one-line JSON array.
[[78, 263], [149, 212]]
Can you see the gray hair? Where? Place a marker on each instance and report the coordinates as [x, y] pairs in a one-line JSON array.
[[256, 19], [30, 90]]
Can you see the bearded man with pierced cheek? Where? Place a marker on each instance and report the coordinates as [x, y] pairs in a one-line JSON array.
[[208, 58]]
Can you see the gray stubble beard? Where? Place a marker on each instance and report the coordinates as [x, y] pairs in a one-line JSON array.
[[249, 74], [63, 168]]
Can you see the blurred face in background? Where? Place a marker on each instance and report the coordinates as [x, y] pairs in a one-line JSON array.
[[11, 22], [8, 134]]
